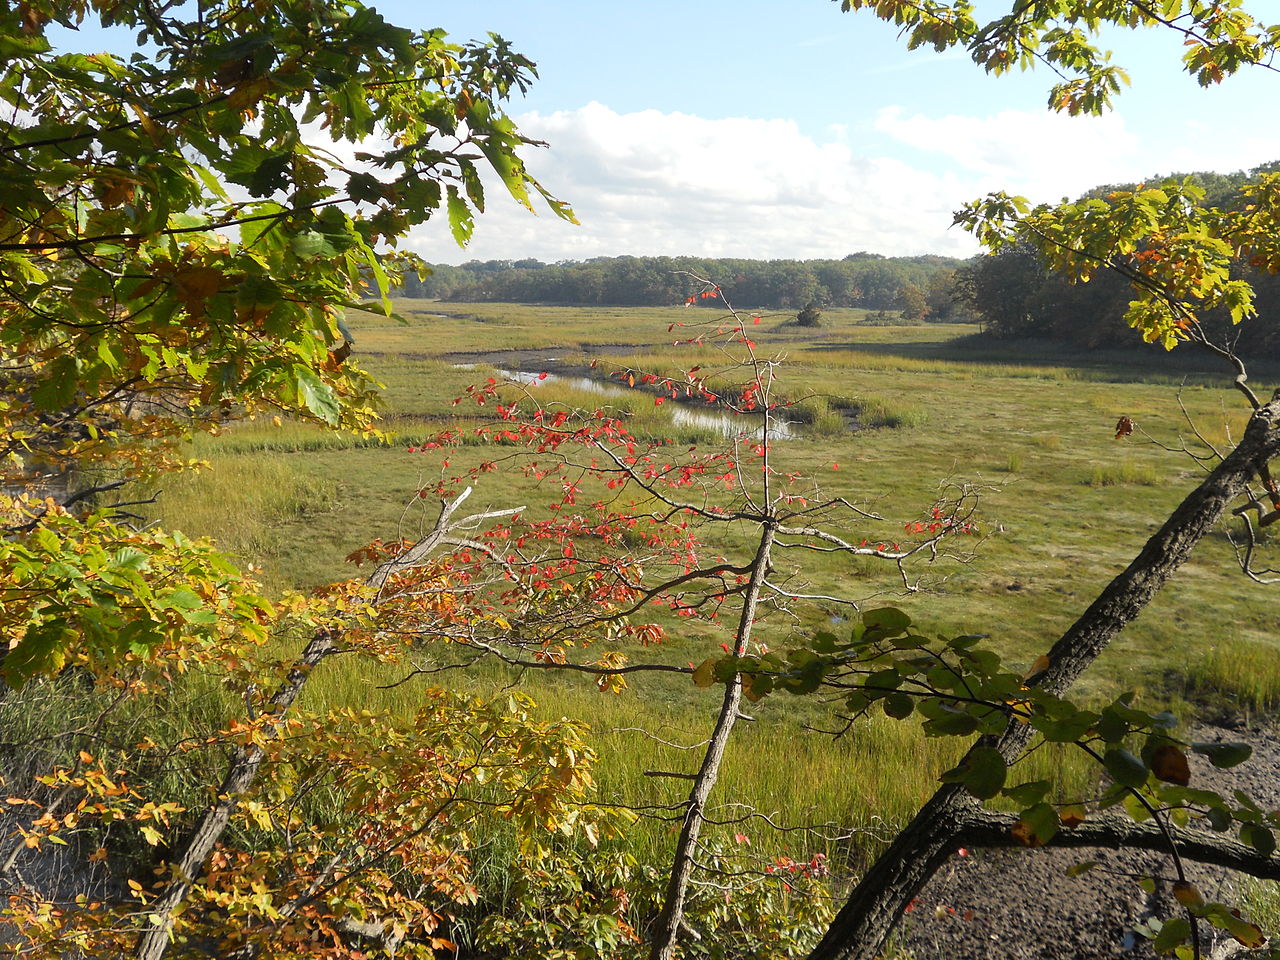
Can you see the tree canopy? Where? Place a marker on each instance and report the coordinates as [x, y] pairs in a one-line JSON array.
[[183, 228], [1017, 294]]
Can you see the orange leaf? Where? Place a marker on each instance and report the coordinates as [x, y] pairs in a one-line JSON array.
[[1040, 666], [1024, 834], [1072, 815], [1169, 764]]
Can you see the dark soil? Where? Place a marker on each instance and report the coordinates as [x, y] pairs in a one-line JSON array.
[[1021, 905]]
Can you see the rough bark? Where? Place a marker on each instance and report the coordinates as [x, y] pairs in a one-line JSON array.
[[239, 777], [877, 902]]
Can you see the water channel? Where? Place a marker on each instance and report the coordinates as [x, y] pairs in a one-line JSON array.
[[728, 425]]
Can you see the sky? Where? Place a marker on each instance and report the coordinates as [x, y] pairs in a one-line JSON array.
[[788, 129]]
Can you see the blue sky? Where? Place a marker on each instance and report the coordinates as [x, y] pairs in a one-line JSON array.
[[790, 129]]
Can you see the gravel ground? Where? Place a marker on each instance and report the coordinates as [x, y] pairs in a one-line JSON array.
[[1021, 905]]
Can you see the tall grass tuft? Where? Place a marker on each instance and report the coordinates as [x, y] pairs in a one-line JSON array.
[[1126, 474], [258, 436], [1241, 671]]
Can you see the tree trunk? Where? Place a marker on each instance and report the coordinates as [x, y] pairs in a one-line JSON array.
[[240, 776], [671, 918], [876, 904]]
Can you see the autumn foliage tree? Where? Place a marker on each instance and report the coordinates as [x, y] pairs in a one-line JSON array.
[[181, 234]]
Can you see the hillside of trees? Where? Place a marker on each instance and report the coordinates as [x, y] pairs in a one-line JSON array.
[[1015, 296], [919, 286]]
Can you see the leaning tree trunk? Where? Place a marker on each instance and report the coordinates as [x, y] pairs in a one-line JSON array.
[[876, 904]]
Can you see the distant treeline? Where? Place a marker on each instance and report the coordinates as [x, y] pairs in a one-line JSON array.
[[918, 287], [1014, 296]]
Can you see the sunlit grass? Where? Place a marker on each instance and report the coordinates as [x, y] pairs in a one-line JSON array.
[[1125, 474], [244, 501], [1243, 672]]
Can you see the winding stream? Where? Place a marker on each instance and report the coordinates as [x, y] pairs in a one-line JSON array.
[[728, 425]]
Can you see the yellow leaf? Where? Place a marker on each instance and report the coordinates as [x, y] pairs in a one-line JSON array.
[[1041, 665], [1187, 894]]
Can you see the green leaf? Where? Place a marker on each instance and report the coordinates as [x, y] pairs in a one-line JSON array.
[[824, 642], [983, 772], [898, 705], [1065, 728], [1036, 825], [57, 386], [1172, 933], [180, 598], [704, 675], [1219, 818], [887, 620], [1110, 727], [882, 680], [1029, 793], [129, 558], [316, 395], [461, 222], [1226, 754], [312, 245], [1258, 837], [42, 651], [1124, 767], [950, 722]]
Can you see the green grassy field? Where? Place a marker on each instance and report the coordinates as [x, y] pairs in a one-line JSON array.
[[1065, 506]]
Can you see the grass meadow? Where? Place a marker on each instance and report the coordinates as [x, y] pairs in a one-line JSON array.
[[1065, 506]]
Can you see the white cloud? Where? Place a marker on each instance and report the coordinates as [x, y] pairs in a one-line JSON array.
[[649, 182], [1037, 153], [672, 183], [1047, 155]]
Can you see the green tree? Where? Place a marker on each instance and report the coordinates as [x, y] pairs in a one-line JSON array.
[[912, 302], [179, 237], [810, 316]]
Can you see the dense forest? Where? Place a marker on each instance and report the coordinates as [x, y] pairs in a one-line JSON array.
[[1015, 296], [920, 287]]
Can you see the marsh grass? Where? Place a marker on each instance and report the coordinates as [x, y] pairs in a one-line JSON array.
[[1239, 671], [929, 410], [862, 785], [1125, 474], [243, 501], [263, 436], [957, 414]]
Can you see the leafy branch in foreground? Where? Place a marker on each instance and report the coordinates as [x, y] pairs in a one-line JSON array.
[[180, 235], [632, 529]]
